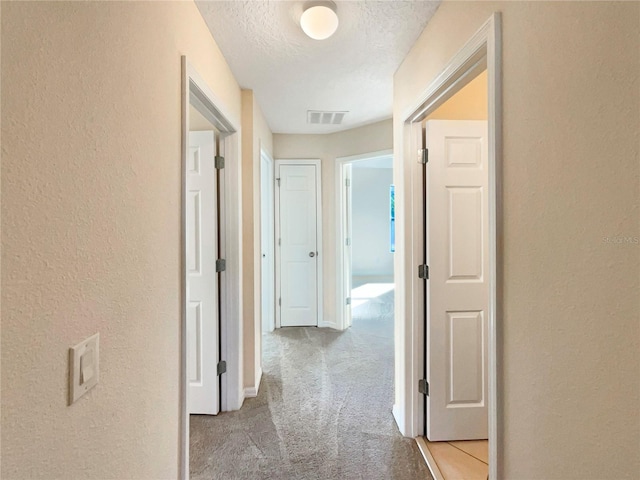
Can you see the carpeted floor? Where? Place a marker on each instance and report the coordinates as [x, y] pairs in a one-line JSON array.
[[323, 410]]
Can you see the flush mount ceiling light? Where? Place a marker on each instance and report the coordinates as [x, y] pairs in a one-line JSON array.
[[319, 20]]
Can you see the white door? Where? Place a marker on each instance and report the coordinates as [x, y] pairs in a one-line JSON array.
[[202, 286], [347, 224], [267, 243], [458, 286], [298, 245]]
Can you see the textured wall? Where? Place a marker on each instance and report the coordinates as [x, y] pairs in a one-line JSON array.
[[91, 130], [255, 135], [370, 138], [570, 370]]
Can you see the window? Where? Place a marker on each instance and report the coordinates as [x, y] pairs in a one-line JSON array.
[[392, 218]]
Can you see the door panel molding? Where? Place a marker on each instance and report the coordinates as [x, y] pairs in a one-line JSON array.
[[320, 251], [457, 244], [201, 250]]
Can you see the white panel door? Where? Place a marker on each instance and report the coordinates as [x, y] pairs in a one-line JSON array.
[[299, 246], [347, 219], [202, 287], [267, 244], [458, 286]]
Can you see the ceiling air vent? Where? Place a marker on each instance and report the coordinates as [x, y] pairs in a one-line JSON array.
[[319, 117]]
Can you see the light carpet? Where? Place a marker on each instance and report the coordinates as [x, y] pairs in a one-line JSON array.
[[323, 410]]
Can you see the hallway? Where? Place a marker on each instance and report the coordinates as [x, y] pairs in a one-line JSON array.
[[323, 410]]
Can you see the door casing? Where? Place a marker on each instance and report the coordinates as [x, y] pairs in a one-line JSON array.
[[317, 163]]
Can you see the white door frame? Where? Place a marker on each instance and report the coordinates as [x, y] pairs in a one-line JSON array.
[[195, 89], [316, 162], [270, 230], [340, 233], [482, 51]]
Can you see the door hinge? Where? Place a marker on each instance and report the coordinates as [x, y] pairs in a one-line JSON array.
[[222, 367], [278, 181], [423, 387], [423, 272], [347, 242], [347, 182], [279, 241], [219, 162], [348, 300], [221, 265], [280, 301], [423, 155]]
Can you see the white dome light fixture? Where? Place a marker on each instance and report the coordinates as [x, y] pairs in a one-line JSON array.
[[319, 20]]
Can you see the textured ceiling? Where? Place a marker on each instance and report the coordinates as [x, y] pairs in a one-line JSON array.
[[290, 73]]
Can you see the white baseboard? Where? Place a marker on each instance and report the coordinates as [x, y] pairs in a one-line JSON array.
[[252, 392], [398, 417], [258, 378], [324, 324]]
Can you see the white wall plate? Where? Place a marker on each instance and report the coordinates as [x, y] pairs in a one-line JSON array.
[[83, 367]]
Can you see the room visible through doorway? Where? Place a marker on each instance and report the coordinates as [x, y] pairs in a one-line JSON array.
[[456, 231], [369, 227], [365, 240]]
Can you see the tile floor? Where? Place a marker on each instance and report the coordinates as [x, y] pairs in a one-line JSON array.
[[464, 460]]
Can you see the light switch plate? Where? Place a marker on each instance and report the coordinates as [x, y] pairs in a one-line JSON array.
[[84, 362]]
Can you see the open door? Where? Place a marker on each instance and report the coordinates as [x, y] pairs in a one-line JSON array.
[[202, 279], [457, 239], [267, 225]]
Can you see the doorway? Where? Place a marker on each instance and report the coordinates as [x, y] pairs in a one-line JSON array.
[[455, 346], [210, 230], [299, 246], [365, 229]]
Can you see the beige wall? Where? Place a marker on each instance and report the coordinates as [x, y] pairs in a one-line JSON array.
[[91, 230], [569, 376], [370, 138], [197, 122], [256, 135], [470, 103]]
